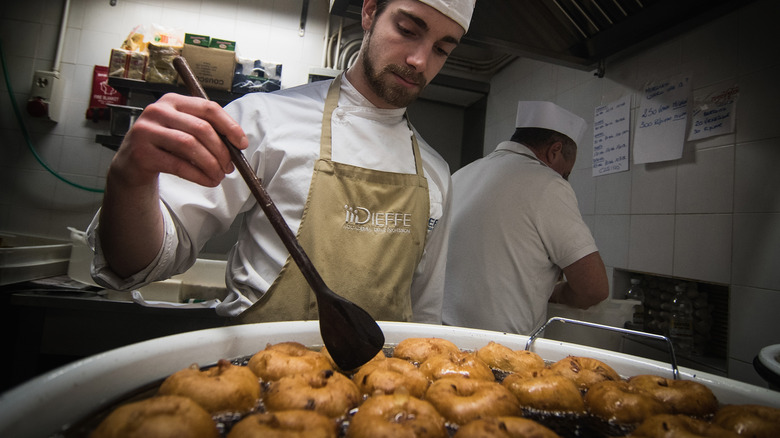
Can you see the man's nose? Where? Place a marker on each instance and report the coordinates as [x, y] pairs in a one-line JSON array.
[[418, 57]]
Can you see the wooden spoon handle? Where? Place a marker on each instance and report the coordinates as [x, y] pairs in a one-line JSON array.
[[255, 186]]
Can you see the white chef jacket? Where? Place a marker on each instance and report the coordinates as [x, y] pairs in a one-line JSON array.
[[284, 142], [515, 224]]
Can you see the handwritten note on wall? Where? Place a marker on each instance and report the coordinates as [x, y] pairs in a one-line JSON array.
[[714, 114], [611, 126], [661, 120]]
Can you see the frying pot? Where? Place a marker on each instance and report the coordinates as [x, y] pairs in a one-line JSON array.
[[44, 405]]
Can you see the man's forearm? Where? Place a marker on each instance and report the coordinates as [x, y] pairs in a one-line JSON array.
[[131, 226]]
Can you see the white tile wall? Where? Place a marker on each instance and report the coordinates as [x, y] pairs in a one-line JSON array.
[[759, 93], [713, 215], [612, 235], [653, 188], [37, 202], [613, 193], [702, 247], [753, 322], [651, 243], [633, 214], [756, 252], [705, 181], [756, 179]]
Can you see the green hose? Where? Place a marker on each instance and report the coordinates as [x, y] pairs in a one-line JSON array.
[[27, 135]]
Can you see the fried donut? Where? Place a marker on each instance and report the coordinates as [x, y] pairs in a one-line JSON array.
[[619, 402], [503, 358], [679, 426], [749, 420], [221, 388], [286, 358], [397, 415], [160, 416], [456, 364], [334, 365], [584, 371], [553, 393], [461, 400], [504, 427], [285, 424], [328, 392], [419, 349], [683, 396], [389, 375]]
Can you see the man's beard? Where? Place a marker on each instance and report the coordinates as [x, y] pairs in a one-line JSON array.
[[392, 93]]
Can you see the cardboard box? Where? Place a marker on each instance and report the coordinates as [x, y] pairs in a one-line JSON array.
[[214, 67], [127, 64], [197, 40]]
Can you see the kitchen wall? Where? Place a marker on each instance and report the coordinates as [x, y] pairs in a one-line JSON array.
[[32, 201], [714, 214]]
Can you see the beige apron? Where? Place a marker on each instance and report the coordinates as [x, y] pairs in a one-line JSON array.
[[364, 231]]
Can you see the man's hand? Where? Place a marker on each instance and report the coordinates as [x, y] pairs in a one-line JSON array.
[[586, 283], [178, 135], [175, 135]]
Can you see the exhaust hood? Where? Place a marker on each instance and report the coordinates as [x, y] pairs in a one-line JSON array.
[[580, 34]]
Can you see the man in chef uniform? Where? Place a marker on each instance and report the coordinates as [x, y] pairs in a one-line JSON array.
[[516, 225], [367, 198]]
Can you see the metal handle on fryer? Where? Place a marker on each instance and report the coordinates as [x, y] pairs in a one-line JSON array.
[[675, 371]]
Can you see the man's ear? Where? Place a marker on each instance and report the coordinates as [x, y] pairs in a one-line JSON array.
[[368, 13], [555, 151]]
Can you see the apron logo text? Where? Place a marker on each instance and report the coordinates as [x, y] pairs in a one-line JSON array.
[[362, 219]]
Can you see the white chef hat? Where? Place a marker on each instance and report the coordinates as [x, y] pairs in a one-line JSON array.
[[539, 114], [458, 10]]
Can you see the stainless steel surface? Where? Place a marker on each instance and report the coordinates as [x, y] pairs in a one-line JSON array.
[[673, 358], [576, 33]]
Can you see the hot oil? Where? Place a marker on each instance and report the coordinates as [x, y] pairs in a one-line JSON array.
[[85, 425], [564, 424]]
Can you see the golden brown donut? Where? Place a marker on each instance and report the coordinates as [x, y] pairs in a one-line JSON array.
[[461, 400], [456, 364], [553, 393], [285, 359], [390, 375], [222, 388], [285, 424], [160, 416], [749, 420], [419, 349], [396, 415], [328, 392], [324, 352], [683, 396], [679, 426], [501, 357], [584, 371], [504, 427], [619, 402]]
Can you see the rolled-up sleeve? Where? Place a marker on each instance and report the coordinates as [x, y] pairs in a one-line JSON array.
[[163, 266]]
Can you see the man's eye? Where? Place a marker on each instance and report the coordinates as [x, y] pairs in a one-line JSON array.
[[405, 31]]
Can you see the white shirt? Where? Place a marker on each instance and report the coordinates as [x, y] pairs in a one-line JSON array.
[[515, 224], [284, 137]]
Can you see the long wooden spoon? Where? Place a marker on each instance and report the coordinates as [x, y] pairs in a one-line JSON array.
[[350, 334]]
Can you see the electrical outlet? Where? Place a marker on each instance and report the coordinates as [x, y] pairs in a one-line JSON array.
[[46, 95], [43, 84]]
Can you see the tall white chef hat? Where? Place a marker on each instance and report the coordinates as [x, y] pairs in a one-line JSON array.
[[539, 114], [458, 10]]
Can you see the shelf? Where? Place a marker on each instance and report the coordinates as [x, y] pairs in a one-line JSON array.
[[125, 86], [110, 141]]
